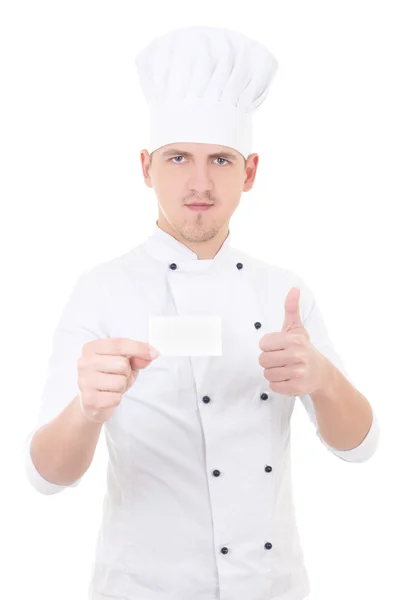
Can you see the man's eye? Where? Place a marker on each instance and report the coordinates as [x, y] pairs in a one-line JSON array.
[[218, 158]]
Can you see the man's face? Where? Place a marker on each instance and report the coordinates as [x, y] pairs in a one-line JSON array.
[[182, 173]]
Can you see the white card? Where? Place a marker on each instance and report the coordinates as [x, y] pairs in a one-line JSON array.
[[186, 335]]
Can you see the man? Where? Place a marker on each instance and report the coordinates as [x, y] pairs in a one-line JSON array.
[[199, 499]]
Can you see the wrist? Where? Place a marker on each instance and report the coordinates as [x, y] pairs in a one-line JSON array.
[[82, 419]]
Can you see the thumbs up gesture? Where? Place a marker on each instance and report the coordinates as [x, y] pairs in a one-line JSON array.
[[292, 365]]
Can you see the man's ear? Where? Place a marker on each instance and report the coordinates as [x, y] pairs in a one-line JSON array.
[[146, 162], [250, 171]]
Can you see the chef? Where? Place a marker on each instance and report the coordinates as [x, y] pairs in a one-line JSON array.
[[199, 502]]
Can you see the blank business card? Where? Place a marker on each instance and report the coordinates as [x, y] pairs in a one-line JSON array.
[[186, 335]]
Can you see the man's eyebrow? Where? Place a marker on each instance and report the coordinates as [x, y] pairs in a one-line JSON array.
[[177, 152]]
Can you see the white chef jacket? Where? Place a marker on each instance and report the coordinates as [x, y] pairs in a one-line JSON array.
[[198, 502]]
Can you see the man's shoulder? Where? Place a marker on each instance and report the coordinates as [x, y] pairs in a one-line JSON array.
[[115, 266]]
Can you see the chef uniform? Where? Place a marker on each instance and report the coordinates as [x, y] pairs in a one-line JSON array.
[[198, 504]]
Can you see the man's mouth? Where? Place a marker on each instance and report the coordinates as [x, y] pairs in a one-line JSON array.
[[199, 207]]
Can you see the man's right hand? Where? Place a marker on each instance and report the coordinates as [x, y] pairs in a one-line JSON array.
[[107, 368]]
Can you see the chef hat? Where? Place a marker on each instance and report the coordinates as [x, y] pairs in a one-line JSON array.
[[202, 84]]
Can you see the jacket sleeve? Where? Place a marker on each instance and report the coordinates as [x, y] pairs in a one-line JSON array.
[[82, 320], [319, 337]]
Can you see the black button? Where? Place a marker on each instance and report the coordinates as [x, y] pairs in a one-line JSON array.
[[268, 469], [173, 266], [216, 473], [206, 399], [268, 545], [264, 396], [239, 266], [224, 550], [257, 325]]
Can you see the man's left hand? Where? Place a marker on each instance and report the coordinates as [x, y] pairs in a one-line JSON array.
[[292, 365]]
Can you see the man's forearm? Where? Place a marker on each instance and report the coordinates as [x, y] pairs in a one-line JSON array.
[[343, 414], [63, 449]]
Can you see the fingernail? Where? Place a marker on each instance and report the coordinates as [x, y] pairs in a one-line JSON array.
[[153, 352]]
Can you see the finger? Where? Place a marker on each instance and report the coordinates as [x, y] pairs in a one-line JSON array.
[[278, 358], [139, 363], [120, 347], [278, 340], [278, 374]]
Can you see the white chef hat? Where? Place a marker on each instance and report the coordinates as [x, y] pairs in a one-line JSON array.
[[202, 85]]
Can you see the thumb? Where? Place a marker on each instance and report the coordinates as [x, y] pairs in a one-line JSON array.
[[292, 310]]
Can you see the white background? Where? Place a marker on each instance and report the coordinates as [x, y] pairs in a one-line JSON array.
[[325, 203]]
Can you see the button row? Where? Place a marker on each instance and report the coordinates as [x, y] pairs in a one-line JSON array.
[[174, 266], [267, 546], [207, 399], [217, 473]]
